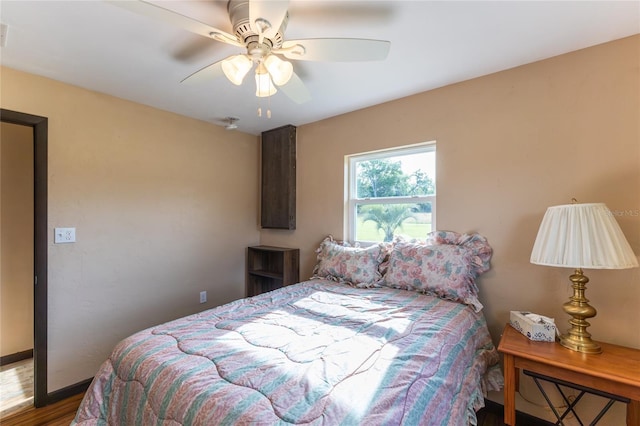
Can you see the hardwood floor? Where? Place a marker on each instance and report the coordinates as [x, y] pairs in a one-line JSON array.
[[16, 386], [58, 414], [62, 414]]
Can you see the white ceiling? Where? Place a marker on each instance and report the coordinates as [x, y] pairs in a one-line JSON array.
[[101, 47]]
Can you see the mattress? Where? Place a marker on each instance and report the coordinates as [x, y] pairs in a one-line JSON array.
[[314, 353]]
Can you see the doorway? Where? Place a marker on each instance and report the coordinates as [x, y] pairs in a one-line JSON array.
[[40, 144]]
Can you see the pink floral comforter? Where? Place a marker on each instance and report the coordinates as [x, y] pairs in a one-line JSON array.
[[315, 353]]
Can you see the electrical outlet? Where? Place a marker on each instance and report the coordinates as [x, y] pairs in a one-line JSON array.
[[64, 235], [203, 297]]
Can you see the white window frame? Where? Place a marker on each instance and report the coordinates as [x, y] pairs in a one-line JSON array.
[[351, 199]]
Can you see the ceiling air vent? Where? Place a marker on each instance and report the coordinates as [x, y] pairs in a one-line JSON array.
[[4, 29]]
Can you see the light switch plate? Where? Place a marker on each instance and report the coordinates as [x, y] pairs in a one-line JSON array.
[[64, 235]]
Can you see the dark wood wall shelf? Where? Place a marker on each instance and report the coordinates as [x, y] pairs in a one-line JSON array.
[[269, 268]]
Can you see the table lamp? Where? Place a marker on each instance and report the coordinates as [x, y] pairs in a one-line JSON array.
[[581, 236]]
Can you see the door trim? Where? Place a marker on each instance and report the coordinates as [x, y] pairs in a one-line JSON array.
[[40, 146]]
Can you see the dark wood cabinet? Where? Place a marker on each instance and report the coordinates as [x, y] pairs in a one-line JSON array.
[[269, 268], [278, 201]]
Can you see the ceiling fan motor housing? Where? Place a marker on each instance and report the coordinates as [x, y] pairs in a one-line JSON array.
[[239, 16]]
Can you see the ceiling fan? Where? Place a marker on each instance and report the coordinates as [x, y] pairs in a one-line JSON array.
[[258, 27]]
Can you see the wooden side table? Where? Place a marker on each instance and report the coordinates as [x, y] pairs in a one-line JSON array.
[[615, 371], [269, 268]]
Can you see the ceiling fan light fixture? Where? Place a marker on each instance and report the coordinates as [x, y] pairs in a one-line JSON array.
[[281, 71], [236, 67], [264, 85]]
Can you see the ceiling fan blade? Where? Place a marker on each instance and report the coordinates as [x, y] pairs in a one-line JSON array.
[[335, 49], [271, 11], [208, 73], [296, 90], [174, 18]]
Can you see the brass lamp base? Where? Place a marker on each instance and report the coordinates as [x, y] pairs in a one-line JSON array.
[[577, 338]]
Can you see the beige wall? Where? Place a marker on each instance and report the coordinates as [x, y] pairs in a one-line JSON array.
[[508, 146], [16, 238], [156, 219]]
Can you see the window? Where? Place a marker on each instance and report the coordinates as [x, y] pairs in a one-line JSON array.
[[390, 193]]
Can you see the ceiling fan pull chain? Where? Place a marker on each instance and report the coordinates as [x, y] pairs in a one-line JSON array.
[[259, 107], [259, 86]]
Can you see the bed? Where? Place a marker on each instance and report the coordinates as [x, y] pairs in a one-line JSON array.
[[362, 342]]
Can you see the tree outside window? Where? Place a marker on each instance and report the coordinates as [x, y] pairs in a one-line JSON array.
[[392, 193]]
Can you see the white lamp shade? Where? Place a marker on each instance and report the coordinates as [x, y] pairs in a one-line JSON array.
[[582, 236], [236, 67], [281, 71], [264, 85]]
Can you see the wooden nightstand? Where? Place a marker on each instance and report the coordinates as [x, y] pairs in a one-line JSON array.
[[615, 371]]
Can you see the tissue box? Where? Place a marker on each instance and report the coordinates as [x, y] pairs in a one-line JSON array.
[[538, 328]]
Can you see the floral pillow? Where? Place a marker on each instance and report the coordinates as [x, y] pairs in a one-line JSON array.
[[480, 249], [444, 271], [351, 265]]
